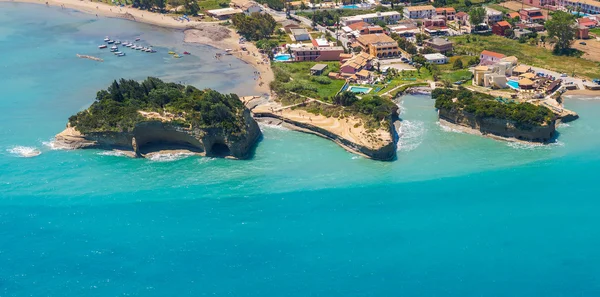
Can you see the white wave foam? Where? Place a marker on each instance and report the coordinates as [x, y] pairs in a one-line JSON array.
[[24, 151], [272, 126], [53, 145], [411, 135], [447, 128], [564, 125], [112, 153], [206, 159], [356, 157], [534, 146], [169, 157]]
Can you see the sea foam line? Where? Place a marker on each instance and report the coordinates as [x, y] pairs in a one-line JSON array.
[[411, 134], [24, 151]]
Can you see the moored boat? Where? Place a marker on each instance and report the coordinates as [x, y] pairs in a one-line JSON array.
[[171, 53], [110, 42], [137, 39], [117, 42], [121, 54], [176, 56], [186, 53], [106, 39], [102, 46], [114, 47]]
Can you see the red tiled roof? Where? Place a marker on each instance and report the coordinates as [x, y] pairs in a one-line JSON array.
[[358, 25], [441, 10], [492, 54], [513, 15], [461, 14], [503, 24], [537, 17]]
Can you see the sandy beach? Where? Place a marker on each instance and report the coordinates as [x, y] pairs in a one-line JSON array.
[[589, 93], [208, 33]]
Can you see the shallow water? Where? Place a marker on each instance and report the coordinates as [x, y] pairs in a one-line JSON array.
[[454, 215]]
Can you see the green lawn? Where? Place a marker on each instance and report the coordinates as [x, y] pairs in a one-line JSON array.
[[527, 54], [499, 8], [595, 31], [213, 4], [300, 76]]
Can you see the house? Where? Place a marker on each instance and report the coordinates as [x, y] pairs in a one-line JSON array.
[[405, 28], [356, 64], [246, 6], [448, 12], [442, 45], [534, 27], [419, 12], [513, 15], [521, 69], [435, 21], [363, 74], [522, 33], [318, 69], [379, 45], [224, 13], [345, 57], [436, 58], [587, 22], [492, 16], [317, 53], [320, 42], [547, 4], [500, 28], [585, 6], [532, 15], [371, 18], [489, 57], [300, 34], [583, 32], [287, 25], [365, 28], [462, 18]]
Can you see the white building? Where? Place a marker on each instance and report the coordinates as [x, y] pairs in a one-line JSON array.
[[587, 6], [436, 58], [390, 16], [224, 13], [419, 12], [493, 16], [300, 34]]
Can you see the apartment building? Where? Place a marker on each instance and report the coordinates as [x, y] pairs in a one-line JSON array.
[[419, 12]]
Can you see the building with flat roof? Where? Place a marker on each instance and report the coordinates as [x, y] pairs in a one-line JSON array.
[[442, 45], [224, 13], [419, 12], [436, 58], [493, 16], [586, 6], [379, 45], [300, 34], [317, 53], [389, 16], [318, 69]]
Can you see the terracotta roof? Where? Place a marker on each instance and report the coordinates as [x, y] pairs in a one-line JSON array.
[[527, 75], [513, 15], [419, 8], [358, 25], [492, 54], [525, 82], [461, 14], [441, 10], [359, 61], [521, 68], [364, 73], [503, 24], [374, 39]]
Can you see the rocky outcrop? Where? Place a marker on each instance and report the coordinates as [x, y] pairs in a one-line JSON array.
[[385, 151], [152, 135], [503, 129]]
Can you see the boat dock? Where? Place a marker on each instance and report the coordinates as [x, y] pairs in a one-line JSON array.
[[89, 58]]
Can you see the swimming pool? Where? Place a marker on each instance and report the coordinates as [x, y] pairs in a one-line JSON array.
[[353, 6], [513, 84], [356, 89], [282, 57]]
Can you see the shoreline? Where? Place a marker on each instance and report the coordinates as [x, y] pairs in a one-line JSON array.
[[207, 29], [456, 128]]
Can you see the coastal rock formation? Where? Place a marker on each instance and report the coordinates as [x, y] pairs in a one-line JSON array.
[[499, 127], [153, 135]]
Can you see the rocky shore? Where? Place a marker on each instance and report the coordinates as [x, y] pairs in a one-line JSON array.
[[152, 136]]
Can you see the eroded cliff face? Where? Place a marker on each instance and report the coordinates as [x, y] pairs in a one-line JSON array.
[[155, 135], [499, 127]]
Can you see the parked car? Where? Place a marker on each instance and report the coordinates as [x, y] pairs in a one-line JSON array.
[[583, 43]]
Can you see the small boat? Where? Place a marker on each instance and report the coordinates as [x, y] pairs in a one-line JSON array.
[[110, 42], [176, 56], [106, 39], [113, 50], [102, 46], [144, 49], [228, 50], [151, 50], [186, 53], [117, 42], [138, 48], [114, 47], [118, 52], [171, 53], [137, 39], [121, 54]]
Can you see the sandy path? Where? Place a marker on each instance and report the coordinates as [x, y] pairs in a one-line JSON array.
[[196, 32]]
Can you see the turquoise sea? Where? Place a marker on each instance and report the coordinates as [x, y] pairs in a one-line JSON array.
[[454, 215]]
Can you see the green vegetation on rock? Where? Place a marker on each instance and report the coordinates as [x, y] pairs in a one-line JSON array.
[[117, 108], [485, 106]]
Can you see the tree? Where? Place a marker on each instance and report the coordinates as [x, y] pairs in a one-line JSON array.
[[562, 27], [256, 26], [468, 3], [477, 15], [345, 98], [458, 64]]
